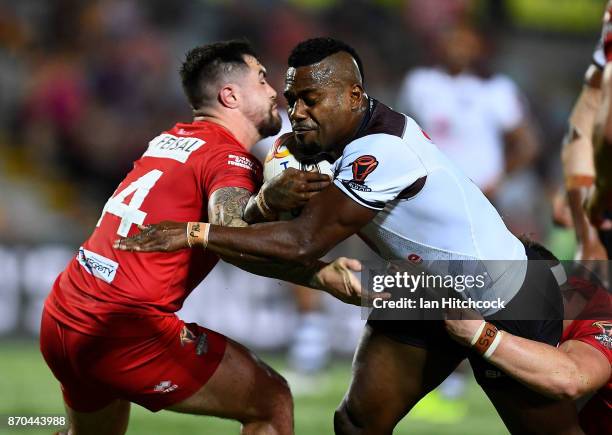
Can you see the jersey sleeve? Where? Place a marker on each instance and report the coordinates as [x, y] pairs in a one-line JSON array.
[[375, 169], [507, 103], [231, 166], [596, 333]]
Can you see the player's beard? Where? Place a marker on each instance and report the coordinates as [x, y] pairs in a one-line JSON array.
[[271, 124]]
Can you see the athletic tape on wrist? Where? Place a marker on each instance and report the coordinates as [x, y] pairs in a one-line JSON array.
[[197, 232]]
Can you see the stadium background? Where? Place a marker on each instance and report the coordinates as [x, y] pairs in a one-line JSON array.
[[85, 84]]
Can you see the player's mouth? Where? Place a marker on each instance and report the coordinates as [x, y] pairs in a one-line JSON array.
[[302, 130]]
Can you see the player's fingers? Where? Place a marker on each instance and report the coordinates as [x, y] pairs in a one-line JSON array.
[[351, 264], [368, 298], [317, 186], [316, 177]]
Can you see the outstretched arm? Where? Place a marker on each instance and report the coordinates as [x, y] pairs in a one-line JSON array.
[[328, 218], [569, 371], [578, 168], [601, 199], [225, 209]]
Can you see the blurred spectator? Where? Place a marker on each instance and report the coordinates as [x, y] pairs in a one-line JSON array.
[[477, 118]]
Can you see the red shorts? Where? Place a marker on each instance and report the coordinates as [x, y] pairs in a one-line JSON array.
[[163, 362]]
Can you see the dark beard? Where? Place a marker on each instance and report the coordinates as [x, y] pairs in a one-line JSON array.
[[270, 126]]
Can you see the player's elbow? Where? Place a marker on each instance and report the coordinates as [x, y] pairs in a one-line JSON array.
[[568, 385], [304, 254], [569, 389], [305, 250]]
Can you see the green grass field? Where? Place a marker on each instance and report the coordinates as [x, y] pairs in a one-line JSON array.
[[27, 387]]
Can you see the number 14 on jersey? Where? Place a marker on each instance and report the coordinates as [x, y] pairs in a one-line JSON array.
[[130, 213]]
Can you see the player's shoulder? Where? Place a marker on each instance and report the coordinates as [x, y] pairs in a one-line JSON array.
[[499, 82]]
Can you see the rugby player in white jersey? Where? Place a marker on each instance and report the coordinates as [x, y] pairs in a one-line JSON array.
[[397, 191]]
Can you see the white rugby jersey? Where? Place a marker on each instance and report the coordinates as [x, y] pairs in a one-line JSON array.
[[466, 116], [428, 209]]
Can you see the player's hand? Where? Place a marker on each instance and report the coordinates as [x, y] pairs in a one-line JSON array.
[[293, 188], [596, 207], [338, 280], [165, 236], [462, 324]]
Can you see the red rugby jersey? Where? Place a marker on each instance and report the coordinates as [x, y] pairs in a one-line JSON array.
[[172, 180], [596, 415]]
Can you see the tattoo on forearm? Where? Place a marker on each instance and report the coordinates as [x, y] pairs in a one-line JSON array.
[[226, 206]]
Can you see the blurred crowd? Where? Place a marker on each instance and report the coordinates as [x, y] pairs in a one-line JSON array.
[[84, 85]]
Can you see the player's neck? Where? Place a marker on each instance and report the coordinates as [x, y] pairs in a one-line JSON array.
[[241, 129]]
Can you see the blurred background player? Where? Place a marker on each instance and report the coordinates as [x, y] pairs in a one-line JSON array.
[[478, 119]]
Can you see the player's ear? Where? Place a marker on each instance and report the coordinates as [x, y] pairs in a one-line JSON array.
[[228, 96], [356, 97]]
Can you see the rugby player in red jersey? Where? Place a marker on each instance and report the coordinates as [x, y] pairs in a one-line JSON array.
[[407, 200], [580, 368], [109, 330]]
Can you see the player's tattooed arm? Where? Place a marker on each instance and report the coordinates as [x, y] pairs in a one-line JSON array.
[[226, 206]]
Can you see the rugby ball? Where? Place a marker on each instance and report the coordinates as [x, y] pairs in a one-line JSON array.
[[280, 158]]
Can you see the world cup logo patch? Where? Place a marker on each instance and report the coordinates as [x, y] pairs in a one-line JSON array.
[[606, 327], [362, 167]]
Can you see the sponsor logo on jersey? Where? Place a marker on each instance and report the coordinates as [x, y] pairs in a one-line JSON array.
[[362, 167], [606, 338], [241, 161], [605, 326], [173, 147], [165, 387], [97, 265]]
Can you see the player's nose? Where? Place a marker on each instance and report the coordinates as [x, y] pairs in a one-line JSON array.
[[298, 113], [272, 92]]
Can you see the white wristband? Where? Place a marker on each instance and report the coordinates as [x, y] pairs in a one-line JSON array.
[[493, 346], [477, 333]]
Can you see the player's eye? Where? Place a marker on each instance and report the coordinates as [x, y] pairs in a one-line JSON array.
[[310, 101]]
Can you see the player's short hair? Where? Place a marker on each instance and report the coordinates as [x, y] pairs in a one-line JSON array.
[[204, 66], [316, 49]]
